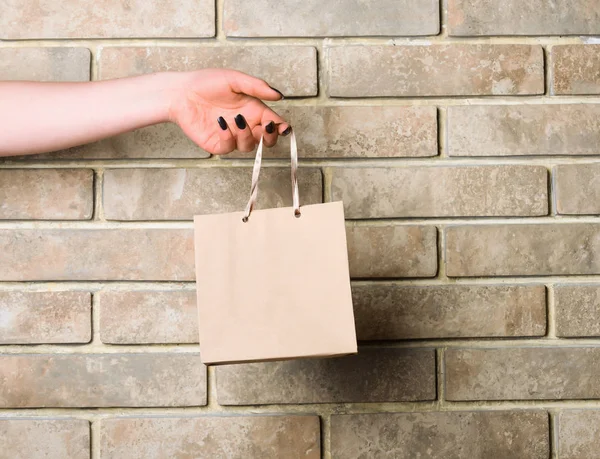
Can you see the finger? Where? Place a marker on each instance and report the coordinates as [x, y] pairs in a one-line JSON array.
[[268, 132], [255, 87], [244, 137], [283, 127], [226, 140]]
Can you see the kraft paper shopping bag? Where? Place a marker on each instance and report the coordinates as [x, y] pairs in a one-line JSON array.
[[274, 284]]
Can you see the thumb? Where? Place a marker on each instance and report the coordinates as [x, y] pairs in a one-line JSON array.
[[255, 87]]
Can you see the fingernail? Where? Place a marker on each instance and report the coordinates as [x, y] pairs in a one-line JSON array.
[[222, 123], [270, 127], [240, 122], [278, 92], [287, 131]]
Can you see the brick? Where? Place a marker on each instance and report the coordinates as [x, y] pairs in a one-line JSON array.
[[514, 17], [523, 373], [524, 130], [44, 64], [96, 254], [575, 69], [458, 435], [578, 434], [392, 251], [108, 19], [290, 437], [355, 132], [154, 317], [438, 70], [46, 194], [527, 250], [577, 189], [384, 311], [312, 18], [179, 194], [482, 191], [45, 317], [45, 438], [291, 69], [386, 375], [577, 308], [102, 380]]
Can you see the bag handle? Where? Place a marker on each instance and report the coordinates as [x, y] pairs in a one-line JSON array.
[[256, 173]]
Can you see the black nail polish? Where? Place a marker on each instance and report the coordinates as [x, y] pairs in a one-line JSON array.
[[287, 131], [278, 92], [240, 122], [270, 128], [222, 123]]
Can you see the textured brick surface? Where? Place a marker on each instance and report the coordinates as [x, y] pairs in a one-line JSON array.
[[529, 250], [45, 438], [524, 130], [148, 317], [291, 69], [514, 17], [577, 309], [96, 254], [523, 373], [313, 18], [356, 131], [441, 191], [179, 194], [577, 189], [575, 68], [268, 437], [45, 317], [392, 311], [46, 194], [386, 375], [462, 435], [392, 251], [96, 380], [27, 19], [578, 434], [44, 64], [369, 71]]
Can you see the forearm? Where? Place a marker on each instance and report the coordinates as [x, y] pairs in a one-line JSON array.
[[43, 117]]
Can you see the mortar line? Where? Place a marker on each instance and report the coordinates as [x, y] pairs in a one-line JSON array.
[[441, 254], [552, 190], [442, 135], [95, 321], [98, 195], [551, 311], [219, 13], [325, 421], [95, 439], [549, 70], [440, 361], [553, 433], [443, 17]]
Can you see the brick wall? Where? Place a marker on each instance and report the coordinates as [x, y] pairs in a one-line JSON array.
[[464, 139]]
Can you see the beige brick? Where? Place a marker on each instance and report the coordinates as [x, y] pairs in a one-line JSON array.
[[524, 130], [314, 18], [386, 375], [515, 17], [459, 435], [384, 311], [392, 251], [46, 194], [101, 380], [45, 317], [534, 373], [575, 69], [179, 194], [528, 250], [577, 308], [435, 70], [96, 254], [44, 64], [577, 189], [45, 438], [30, 19], [148, 317], [265, 437], [578, 434], [291, 69], [441, 191], [356, 131]]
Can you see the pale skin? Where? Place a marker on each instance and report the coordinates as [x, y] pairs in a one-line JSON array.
[[220, 110]]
